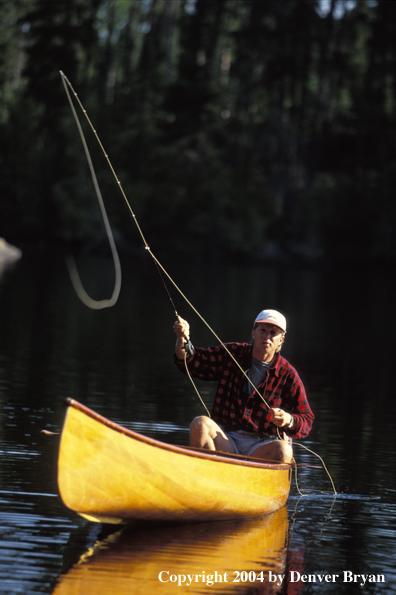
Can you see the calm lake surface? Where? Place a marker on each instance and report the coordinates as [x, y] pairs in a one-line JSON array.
[[342, 324]]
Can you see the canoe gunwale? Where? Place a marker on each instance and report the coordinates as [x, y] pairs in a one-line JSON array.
[[229, 458]]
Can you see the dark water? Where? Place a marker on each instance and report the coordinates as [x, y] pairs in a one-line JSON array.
[[342, 325]]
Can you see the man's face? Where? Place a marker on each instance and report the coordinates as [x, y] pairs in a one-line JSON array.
[[267, 340]]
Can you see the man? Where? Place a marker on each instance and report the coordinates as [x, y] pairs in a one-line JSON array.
[[255, 413]]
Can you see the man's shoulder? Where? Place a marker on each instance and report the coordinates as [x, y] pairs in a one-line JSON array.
[[283, 366], [240, 346], [232, 346], [226, 349], [233, 351], [239, 349]]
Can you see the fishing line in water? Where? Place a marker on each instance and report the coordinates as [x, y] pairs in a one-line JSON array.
[[293, 518], [99, 304], [324, 467]]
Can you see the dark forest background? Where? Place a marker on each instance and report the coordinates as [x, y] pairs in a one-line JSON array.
[[239, 128]]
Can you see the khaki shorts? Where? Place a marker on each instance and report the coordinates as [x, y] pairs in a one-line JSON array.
[[245, 443]]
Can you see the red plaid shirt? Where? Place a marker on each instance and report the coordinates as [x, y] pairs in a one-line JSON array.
[[235, 409]]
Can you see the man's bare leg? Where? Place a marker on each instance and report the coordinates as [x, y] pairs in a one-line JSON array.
[[205, 433], [277, 451]]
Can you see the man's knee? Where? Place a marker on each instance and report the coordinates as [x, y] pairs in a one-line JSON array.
[[285, 451], [203, 432], [200, 431], [199, 424]]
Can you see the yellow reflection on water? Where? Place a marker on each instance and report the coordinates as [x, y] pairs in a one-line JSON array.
[[220, 557]]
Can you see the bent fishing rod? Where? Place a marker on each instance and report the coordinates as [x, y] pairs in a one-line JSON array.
[[87, 300], [162, 272]]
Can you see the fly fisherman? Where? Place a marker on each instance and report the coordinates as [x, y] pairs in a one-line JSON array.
[[241, 422]]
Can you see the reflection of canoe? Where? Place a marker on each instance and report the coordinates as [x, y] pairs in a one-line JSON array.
[[158, 558], [111, 474]]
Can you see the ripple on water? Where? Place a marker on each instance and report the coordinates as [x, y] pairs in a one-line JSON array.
[[32, 542]]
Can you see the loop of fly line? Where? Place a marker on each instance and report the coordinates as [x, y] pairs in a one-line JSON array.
[[70, 262]]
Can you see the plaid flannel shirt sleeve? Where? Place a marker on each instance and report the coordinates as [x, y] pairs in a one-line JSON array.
[[204, 364], [296, 402]]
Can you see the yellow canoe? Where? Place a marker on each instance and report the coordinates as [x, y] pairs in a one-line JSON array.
[[107, 473], [226, 557]]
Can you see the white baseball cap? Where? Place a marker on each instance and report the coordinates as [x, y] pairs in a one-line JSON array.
[[272, 317]]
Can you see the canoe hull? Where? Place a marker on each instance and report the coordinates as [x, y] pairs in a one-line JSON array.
[[110, 474]]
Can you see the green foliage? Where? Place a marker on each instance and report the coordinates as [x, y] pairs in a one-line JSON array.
[[242, 128]]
